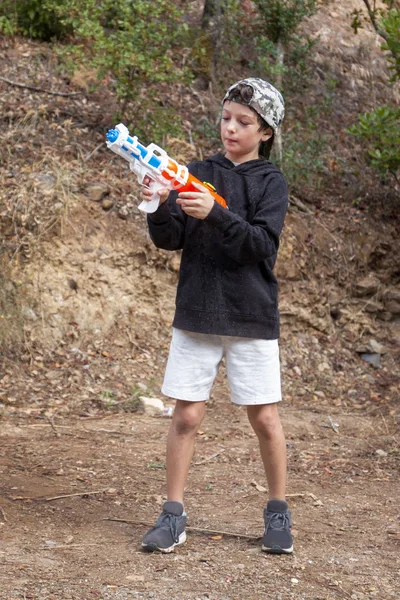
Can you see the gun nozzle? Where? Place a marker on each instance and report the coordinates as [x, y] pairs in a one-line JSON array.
[[112, 135]]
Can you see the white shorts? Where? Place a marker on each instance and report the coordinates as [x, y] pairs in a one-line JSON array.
[[252, 367]]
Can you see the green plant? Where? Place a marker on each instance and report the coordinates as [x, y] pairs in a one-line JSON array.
[[133, 402], [303, 160], [131, 43], [391, 25], [33, 18], [379, 131], [7, 25], [108, 400], [156, 122], [281, 50], [281, 18]]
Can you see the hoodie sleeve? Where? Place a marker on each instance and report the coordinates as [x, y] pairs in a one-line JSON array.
[[250, 243], [167, 224]]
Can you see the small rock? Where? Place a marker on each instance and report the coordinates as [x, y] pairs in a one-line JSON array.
[[373, 306], [372, 358], [123, 213], [107, 203], [392, 294], [380, 452], [393, 306], [377, 347], [385, 316], [53, 374], [366, 287], [97, 192], [46, 181], [174, 262], [371, 347], [29, 314], [151, 406]]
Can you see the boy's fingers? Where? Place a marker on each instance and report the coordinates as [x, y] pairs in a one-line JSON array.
[[199, 186], [190, 195]]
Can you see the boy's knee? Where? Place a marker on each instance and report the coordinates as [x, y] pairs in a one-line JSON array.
[[188, 417], [265, 419]]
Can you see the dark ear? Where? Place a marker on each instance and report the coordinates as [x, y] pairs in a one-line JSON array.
[[267, 132], [266, 147]]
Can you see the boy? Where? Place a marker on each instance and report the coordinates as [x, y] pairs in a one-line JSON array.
[[226, 303]]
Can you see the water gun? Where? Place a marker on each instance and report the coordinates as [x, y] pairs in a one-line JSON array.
[[153, 162]]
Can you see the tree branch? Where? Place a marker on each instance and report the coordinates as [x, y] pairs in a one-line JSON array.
[[372, 17], [37, 89]]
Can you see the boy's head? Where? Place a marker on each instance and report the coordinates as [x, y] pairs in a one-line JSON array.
[[265, 100]]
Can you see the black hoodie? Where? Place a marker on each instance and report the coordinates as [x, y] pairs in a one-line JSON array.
[[226, 284]]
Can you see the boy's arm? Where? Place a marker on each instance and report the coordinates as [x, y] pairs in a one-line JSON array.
[[167, 225], [251, 243]]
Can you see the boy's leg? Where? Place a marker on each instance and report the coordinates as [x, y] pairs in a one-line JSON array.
[[264, 418], [169, 530], [185, 423], [266, 423]]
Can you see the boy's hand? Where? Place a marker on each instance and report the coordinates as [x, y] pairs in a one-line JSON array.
[[196, 204], [146, 193]]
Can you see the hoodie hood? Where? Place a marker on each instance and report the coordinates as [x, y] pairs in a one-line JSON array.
[[258, 166]]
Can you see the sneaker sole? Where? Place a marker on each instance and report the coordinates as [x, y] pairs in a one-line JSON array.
[[277, 550], [152, 546]]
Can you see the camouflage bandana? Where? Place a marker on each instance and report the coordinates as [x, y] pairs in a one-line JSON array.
[[266, 100]]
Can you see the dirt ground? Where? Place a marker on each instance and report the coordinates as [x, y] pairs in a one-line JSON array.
[[77, 493]]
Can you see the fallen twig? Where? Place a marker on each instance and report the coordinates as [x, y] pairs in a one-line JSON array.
[[331, 425], [3, 514], [76, 494], [88, 156], [191, 529], [37, 89], [25, 498], [304, 494], [112, 431], [300, 205], [51, 422], [298, 495], [204, 460], [63, 546]]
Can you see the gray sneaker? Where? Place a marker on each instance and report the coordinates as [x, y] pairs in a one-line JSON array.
[[169, 531], [278, 521]]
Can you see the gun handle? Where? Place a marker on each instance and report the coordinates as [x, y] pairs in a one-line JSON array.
[[154, 203], [151, 206]]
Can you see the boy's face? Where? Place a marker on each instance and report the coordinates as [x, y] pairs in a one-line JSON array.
[[240, 132]]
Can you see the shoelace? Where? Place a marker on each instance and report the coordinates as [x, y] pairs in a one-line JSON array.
[[279, 521], [170, 521]]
